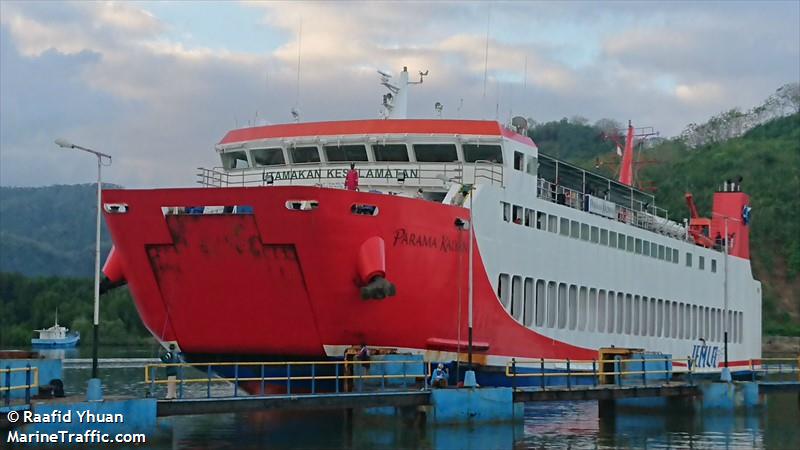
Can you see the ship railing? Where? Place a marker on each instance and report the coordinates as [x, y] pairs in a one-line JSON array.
[[311, 376], [403, 174], [639, 214], [488, 170], [11, 382], [619, 371], [775, 366]]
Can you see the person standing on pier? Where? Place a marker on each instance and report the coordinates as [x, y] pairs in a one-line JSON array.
[[171, 357], [351, 179]]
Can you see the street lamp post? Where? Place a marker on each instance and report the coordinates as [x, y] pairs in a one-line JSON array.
[[66, 144]]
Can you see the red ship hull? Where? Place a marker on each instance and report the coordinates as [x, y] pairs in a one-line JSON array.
[[281, 282]]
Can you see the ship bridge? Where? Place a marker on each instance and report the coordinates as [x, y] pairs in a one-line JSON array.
[[401, 157]]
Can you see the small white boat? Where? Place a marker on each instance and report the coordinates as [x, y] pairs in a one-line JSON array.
[[56, 337]]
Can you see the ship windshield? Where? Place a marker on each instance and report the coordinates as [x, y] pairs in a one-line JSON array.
[[301, 155], [390, 152], [477, 152], [235, 160], [341, 153], [267, 156], [435, 152]]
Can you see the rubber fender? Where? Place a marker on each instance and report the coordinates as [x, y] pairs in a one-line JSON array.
[[372, 260], [113, 266]]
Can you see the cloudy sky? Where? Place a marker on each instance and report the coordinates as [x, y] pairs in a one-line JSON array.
[[157, 84]]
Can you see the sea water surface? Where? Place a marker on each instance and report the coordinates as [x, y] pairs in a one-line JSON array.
[[547, 425]]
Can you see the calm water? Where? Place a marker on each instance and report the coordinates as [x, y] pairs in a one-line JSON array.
[[555, 425]]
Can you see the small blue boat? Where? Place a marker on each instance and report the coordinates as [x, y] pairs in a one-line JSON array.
[[56, 337]]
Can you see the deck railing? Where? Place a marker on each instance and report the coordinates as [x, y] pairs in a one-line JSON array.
[[8, 385], [347, 375]]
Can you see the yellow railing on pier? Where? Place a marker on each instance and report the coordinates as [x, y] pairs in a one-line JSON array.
[[5, 377]]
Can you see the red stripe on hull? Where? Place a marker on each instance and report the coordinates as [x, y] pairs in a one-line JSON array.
[[281, 282]]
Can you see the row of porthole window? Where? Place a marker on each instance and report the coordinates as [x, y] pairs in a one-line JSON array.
[[572, 228], [551, 304]]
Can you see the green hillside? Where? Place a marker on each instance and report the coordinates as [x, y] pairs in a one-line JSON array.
[[49, 230]]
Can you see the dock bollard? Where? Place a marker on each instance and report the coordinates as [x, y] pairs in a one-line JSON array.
[[94, 391]]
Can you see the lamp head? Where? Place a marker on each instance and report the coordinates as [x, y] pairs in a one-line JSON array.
[[63, 143]]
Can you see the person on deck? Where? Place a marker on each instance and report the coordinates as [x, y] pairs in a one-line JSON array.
[[439, 376], [171, 357], [351, 179]]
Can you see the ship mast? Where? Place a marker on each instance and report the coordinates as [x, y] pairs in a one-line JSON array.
[[395, 102]]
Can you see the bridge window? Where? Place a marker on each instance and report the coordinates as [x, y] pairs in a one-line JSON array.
[[343, 153], [533, 165], [390, 152], [478, 152], [519, 159], [267, 156], [300, 155], [235, 160], [435, 152]]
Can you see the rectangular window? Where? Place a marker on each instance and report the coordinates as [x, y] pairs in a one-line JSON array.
[[638, 246], [482, 152], [519, 160], [681, 322], [667, 313], [551, 304], [503, 290], [595, 235], [582, 308], [701, 263], [637, 315], [529, 302], [661, 252], [620, 312], [592, 309], [713, 266], [267, 156], [669, 255], [621, 241], [674, 321], [516, 297], [646, 248], [675, 255], [574, 230], [300, 155], [712, 335], [541, 220], [564, 227], [541, 300], [688, 259], [629, 319], [390, 152], [612, 311], [604, 236], [435, 152], [530, 217], [506, 207], [584, 232], [706, 323], [344, 153], [552, 224], [654, 250], [235, 160], [562, 305], [601, 311], [612, 239], [651, 322], [532, 166], [741, 327], [517, 214], [687, 322], [629, 246], [573, 306], [693, 334]]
